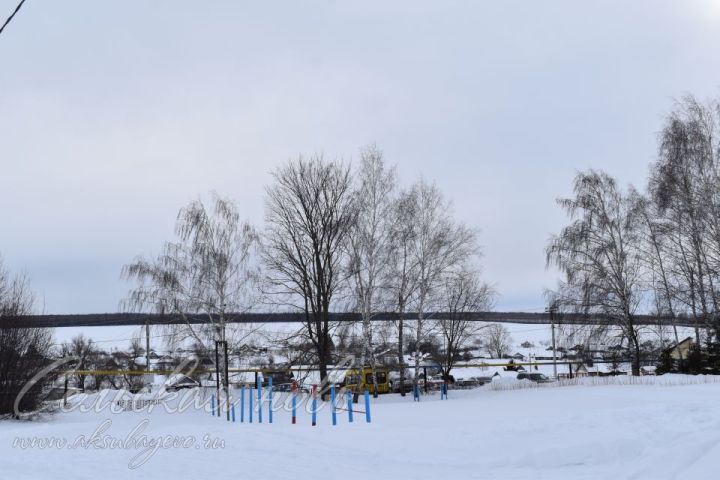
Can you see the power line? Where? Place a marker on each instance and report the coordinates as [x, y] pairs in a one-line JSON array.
[[162, 335], [11, 16]]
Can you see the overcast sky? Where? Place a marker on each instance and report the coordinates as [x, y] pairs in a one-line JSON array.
[[113, 115]]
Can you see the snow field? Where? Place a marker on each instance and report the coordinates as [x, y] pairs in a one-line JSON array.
[[665, 428]]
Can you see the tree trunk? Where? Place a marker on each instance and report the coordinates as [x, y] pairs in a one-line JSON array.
[[401, 356], [324, 351], [418, 338], [369, 351], [636, 361], [635, 341]]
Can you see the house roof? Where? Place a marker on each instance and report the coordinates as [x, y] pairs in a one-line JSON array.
[[682, 342]]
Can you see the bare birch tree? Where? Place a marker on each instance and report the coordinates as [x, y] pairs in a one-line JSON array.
[[683, 191], [438, 245], [401, 276], [369, 243], [210, 271], [658, 257], [600, 256]]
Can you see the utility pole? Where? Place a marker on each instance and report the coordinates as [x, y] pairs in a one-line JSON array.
[[147, 354], [551, 310]]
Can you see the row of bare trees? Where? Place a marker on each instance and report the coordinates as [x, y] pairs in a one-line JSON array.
[[351, 239], [23, 351], [28, 355], [336, 238], [625, 251], [111, 369]]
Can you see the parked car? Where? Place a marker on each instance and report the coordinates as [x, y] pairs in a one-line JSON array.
[[466, 383], [483, 380], [181, 382], [279, 376], [534, 377], [395, 385], [435, 381], [288, 387], [283, 387]]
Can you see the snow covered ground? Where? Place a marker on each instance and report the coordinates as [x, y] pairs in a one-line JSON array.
[[665, 428]]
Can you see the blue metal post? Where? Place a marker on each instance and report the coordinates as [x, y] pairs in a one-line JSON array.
[[259, 390], [242, 404], [212, 404], [314, 406], [294, 406], [367, 406], [232, 412], [349, 406], [332, 403], [270, 400], [250, 405]]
